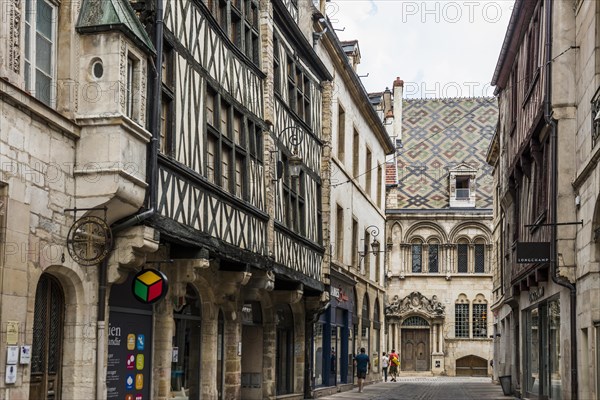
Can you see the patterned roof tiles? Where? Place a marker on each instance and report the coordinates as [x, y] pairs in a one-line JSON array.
[[439, 134]]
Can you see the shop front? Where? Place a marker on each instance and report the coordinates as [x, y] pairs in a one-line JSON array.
[[542, 353], [333, 336]]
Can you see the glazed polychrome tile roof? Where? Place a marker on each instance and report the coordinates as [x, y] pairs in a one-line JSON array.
[[439, 134]]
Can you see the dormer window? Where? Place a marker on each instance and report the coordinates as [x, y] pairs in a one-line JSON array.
[[462, 186]]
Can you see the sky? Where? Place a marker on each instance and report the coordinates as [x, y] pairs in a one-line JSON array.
[[438, 48]]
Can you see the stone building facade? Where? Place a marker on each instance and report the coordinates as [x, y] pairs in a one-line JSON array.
[[545, 166], [439, 232], [187, 163], [355, 168]]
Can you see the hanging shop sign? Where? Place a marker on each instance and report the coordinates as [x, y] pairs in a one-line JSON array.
[[533, 252], [89, 240], [149, 286]]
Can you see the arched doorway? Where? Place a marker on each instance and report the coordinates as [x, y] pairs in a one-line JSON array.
[[415, 351], [46, 352], [252, 350], [284, 354], [187, 343], [471, 366]]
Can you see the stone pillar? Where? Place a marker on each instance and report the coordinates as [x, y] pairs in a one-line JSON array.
[[164, 328], [208, 375], [233, 361], [269, 349], [437, 356]]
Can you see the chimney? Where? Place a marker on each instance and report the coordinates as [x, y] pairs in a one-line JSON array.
[[398, 93], [387, 101]]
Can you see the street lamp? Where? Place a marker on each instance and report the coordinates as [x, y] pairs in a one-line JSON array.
[[375, 244], [295, 160]]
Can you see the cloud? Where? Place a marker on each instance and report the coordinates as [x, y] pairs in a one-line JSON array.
[[433, 44]]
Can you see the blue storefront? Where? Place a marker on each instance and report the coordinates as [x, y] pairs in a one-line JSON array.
[[333, 335]]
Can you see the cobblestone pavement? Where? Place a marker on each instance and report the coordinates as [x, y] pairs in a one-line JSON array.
[[428, 388]]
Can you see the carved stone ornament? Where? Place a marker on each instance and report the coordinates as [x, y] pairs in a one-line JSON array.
[[415, 302]]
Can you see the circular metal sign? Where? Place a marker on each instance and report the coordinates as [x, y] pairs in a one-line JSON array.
[[89, 240]]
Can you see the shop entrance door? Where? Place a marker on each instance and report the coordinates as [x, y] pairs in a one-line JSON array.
[[415, 354]]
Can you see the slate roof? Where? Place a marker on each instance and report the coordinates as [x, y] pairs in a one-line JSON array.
[[440, 134], [108, 15]]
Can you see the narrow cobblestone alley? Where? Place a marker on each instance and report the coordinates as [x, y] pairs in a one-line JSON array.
[[428, 388]]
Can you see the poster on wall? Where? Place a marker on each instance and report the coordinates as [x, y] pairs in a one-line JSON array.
[[129, 332], [128, 369]]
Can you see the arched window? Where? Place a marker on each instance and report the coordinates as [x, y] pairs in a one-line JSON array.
[[480, 320], [366, 325], [187, 343], [417, 256], [376, 335], [415, 321], [479, 256], [433, 256], [461, 317], [462, 256]]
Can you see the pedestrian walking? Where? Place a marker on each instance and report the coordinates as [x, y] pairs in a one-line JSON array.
[[385, 362], [394, 364], [363, 364]]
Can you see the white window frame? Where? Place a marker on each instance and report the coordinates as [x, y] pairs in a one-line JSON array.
[[30, 65], [462, 172]]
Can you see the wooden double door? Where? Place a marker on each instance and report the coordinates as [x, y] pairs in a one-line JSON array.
[[415, 351]]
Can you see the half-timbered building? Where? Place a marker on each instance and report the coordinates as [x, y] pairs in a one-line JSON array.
[[239, 196], [533, 154], [149, 145]]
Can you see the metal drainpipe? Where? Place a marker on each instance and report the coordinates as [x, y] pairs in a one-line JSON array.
[[554, 208], [152, 173]]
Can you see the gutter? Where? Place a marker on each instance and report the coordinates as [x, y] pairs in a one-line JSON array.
[[552, 123], [152, 196]]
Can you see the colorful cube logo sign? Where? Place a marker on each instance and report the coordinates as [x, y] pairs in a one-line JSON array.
[[139, 362], [141, 339], [149, 286], [128, 397], [138, 397], [130, 341], [129, 382]]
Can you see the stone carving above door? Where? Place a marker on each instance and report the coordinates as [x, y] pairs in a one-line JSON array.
[[415, 303]]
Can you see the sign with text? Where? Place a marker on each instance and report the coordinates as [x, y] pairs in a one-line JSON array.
[[533, 252]]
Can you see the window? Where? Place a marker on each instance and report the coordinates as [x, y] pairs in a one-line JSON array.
[[341, 145], [417, 253], [480, 320], [40, 49], [298, 91], [276, 66], [186, 337], [461, 320], [339, 246], [462, 257], [293, 195], [379, 184], [232, 142], [462, 187], [354, 242], [368, 167], [167, 103], [129, 88], [479, 258], [355, 146], [433, 258], [239, 20], [367, 253], [533, 49]]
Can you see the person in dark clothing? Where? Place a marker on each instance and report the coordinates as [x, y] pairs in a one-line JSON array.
[[363, 364]]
